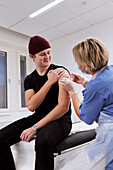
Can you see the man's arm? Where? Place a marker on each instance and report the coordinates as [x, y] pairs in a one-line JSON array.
[[60, 109], [33, 100]]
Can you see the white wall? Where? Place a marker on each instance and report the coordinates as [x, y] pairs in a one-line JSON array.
[[62, 48], [13, 40]]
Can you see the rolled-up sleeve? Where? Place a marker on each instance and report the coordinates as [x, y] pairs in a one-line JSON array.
[[27, 83], [91, 105]]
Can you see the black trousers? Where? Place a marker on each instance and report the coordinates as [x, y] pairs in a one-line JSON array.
[[47, 137]]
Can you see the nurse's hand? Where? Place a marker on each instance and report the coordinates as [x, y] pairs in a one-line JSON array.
[[68, 86], [77, 78], [27, 134], [54, 75]]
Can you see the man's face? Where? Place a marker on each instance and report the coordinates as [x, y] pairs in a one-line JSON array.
[[43, 58]]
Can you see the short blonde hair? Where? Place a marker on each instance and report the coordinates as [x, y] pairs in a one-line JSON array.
[[91, 53]]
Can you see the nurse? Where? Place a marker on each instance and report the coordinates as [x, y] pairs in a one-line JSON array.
[[92, 58]]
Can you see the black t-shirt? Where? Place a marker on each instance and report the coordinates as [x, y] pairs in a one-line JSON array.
[[35, 81]]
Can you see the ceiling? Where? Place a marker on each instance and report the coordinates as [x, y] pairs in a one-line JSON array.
[[67, 17]]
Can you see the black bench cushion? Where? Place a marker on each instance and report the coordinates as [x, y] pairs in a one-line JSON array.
[[75, 139]]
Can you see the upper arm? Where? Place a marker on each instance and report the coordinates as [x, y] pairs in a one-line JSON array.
[[63, 97], [28, 94], [65, 74]]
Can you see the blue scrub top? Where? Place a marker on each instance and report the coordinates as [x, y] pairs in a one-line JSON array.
[[98, 96]]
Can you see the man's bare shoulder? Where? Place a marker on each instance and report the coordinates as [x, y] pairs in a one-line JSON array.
[[65, 74]]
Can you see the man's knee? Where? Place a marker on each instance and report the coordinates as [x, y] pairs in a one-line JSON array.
[[43, 141]]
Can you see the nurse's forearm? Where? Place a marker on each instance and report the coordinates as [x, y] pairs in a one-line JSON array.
[[76, 103]]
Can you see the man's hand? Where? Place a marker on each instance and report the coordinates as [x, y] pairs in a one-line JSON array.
[[27, 134], [54, 75]]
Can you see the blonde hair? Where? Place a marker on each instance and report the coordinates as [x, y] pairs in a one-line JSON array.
[[91, 53]]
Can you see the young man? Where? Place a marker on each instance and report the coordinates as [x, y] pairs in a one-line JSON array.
[[51, 121]]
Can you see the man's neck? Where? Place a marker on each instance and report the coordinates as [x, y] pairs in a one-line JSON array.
[[42, 70]]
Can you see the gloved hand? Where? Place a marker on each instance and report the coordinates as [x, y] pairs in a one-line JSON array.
[[77, 78], [68, 86]]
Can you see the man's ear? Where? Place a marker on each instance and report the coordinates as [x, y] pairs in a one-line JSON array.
[[32, 56]]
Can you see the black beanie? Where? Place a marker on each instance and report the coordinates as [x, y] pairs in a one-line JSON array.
[[37, 44]]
